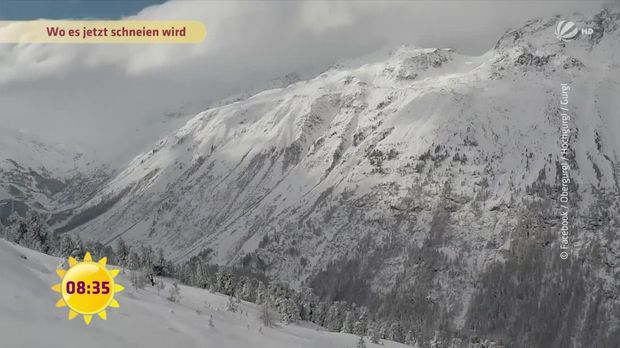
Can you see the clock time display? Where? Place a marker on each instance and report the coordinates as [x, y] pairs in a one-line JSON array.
[[95, 287]]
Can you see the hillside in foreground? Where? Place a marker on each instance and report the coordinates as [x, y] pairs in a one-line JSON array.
[[28, 318]]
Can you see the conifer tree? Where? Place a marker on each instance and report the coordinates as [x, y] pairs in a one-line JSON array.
[[360, 343], [374, 333], [288, 310], [261, 293], [138, 279], [393, 332], [410, 339], [347, 325], [122, 253]]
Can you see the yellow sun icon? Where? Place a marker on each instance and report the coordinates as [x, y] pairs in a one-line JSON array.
[[87, 288]]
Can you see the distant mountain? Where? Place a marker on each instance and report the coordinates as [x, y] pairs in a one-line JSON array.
[[46, 178], [423, 183]]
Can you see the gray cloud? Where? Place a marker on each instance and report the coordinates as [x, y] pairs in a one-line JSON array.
[[112, 98]]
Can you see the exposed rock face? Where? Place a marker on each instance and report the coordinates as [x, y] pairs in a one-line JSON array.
[[426, 185]]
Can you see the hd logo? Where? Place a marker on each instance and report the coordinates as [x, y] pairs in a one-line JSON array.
[[567, 31]]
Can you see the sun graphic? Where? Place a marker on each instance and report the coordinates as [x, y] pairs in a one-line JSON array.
[[87, 288]]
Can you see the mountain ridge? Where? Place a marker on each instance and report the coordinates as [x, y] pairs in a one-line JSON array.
[[423, 185]]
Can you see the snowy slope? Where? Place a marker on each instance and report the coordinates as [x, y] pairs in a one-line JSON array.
[[235, 172], [20, 156], [261, 147], [43, 177], [28, 318], [420, 176], [30, 153]]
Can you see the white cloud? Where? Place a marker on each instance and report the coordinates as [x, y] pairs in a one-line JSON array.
[[320, 16]]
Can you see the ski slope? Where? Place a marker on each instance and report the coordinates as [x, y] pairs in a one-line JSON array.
[[28, 318]]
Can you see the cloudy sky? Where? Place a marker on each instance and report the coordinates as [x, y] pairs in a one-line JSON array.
[[115, 98]]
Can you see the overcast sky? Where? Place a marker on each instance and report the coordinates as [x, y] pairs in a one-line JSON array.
[[113, 98]]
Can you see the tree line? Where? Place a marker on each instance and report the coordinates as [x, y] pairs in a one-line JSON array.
[[147, 265]]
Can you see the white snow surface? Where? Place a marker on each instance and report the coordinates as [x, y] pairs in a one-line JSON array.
[[42, 176], [28, 152], [236, 173], [28, 318]]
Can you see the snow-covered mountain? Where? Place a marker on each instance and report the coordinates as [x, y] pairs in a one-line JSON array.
[[145, 319], [423, 183], [42, 177]]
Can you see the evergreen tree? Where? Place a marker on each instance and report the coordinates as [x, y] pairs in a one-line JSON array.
[[79, 250], [277, 290], [410, 339], [261, 293], [17, 230], [384, 327], [335, 316], [147, 262], [36, 233], [160, 268], [394, 332], [138, 279], [224, 283], [66, 246], [374, 334], [360, 343], [97, 250], [133, 261], [320, 313], [199, 275], [247, 289], [289, 311], [359, 327], [122, 253], [308, 303], [347, 325]]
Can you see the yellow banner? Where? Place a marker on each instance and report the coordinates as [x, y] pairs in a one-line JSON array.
[[102, 32]]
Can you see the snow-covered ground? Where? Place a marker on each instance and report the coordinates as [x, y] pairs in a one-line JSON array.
[[44, 177], [28, 317], [309, 169], [436, 174]]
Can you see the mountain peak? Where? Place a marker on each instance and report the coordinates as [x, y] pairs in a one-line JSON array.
[[418, 176]]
